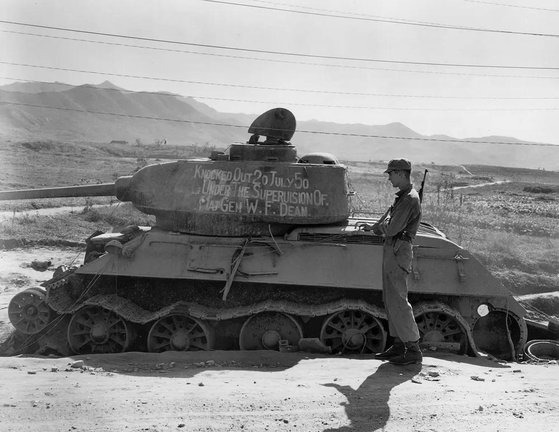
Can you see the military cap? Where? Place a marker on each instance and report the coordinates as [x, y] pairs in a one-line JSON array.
[[398, 165]]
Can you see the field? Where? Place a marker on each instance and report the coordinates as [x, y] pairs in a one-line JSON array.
[[507, 217]]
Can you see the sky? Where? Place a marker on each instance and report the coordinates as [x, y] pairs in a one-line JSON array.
[[352, 61]]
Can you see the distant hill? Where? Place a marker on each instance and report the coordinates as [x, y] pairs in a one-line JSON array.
[[35, 87], [42, 87], [105, 112], [423, 149]]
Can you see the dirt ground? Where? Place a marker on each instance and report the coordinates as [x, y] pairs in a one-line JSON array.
[[259, 390], [272, 391]]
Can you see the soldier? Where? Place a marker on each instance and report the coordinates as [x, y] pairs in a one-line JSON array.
[[399, 226]]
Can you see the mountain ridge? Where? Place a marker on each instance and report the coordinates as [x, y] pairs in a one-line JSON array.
[[105, 112]]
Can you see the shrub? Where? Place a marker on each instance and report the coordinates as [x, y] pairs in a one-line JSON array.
[[538, 189], [91, 215], [26, 219]]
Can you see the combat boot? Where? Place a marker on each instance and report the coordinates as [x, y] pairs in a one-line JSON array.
[[395, 350], [410, 355]]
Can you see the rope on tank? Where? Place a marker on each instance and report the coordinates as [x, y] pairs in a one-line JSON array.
[[274, 240]]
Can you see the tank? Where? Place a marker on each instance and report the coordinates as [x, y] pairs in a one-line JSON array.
[[255, 248]]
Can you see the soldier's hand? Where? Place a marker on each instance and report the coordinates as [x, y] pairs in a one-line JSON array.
[[376, 228], [365, 227]]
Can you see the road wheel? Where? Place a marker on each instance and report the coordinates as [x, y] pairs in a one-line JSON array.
[[179, 333], [93, 329], [265, 331], [441, 327], [353, 331], [29, 312]]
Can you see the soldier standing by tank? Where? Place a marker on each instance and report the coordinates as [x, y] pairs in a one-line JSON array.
[[399, 227]]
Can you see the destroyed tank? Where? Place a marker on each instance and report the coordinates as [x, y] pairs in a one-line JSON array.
[[255, 248]]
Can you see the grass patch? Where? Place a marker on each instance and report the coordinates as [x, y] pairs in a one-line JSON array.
[[548, 304], [541, 189], [73, 226], [117, 216]]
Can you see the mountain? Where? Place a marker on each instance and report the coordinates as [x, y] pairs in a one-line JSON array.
[[35, 87], [107, 85], [43, 87], [371, 143], [105, 112]]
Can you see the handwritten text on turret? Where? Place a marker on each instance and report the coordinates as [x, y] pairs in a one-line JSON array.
[[285, 193]]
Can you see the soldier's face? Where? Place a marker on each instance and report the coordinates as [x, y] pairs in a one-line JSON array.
[[395, 177]]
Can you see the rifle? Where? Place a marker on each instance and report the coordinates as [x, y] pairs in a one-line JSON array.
[[422, 186]]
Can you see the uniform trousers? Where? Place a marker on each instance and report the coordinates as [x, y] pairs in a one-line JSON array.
[[397, 262]]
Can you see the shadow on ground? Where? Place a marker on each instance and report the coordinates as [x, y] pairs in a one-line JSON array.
[[367, 407], [174, 364]]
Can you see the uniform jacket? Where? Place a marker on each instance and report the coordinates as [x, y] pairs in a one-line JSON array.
[[402, 218]]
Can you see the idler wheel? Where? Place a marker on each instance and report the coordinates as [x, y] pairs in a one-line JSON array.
[[266, 329], [29, 312], [441, 327], [93, 329], [179, 333], [353, 331], [500, 333]]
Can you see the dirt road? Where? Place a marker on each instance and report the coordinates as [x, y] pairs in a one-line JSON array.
[[270, 391]]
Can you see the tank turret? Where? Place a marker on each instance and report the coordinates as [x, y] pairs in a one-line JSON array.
[[256, 188]]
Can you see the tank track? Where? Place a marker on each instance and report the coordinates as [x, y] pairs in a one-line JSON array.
[[66, 295], [61, 302]]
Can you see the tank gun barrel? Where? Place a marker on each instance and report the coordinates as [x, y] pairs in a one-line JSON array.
[[116, 189]]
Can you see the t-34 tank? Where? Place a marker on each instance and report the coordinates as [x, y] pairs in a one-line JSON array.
[[255, 249]]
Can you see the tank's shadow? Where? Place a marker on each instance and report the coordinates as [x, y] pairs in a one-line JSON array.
[[174, 364], [191, 363]]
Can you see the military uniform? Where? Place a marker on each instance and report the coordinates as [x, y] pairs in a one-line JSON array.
[[399, 227]]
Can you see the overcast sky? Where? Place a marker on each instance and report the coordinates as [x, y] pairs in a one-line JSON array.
[[454, 100]]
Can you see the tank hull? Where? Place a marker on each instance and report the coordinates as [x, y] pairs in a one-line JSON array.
[[286, 288], [329, 256]]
